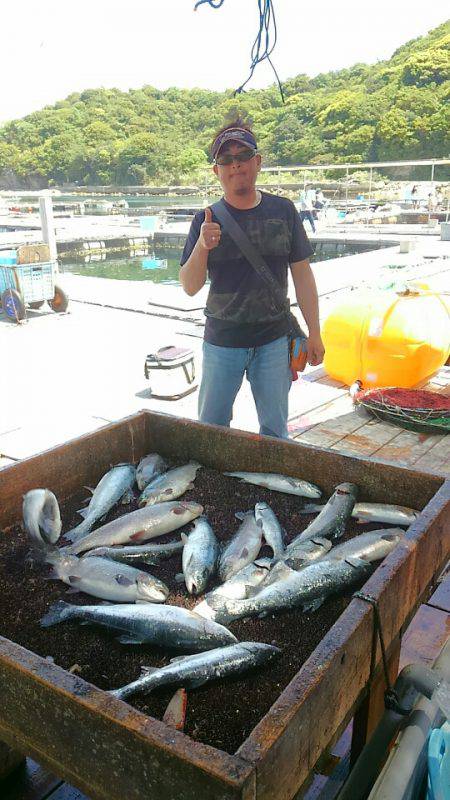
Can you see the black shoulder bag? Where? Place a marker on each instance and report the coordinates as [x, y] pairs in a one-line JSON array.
[[297, 338]]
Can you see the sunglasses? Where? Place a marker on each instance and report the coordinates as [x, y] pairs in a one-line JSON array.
[[227, 158]]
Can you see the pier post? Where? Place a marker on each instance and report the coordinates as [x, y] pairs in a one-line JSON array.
[[48, 225]]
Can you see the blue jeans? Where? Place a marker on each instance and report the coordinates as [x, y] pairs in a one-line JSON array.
[[267, 369]]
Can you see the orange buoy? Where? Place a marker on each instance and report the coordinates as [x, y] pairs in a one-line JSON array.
[[387, 338]]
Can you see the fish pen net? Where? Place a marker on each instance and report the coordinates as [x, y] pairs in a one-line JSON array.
[[414, 409]]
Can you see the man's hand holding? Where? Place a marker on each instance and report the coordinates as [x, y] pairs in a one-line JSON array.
[[316, 350]]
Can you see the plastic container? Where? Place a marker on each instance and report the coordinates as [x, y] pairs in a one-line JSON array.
[[35, 282], [383, 338], [439, 763], [8, 257]]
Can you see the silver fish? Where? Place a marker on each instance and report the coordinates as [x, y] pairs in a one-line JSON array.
[[374, 512], [162, 625], [300, 554], [138, 554], [271, 528], [279, 483], [307, 587], [148, 469], [371, 546], [242, 549], [334, 516], [201, 550], [194, 671], [239, 586], [41, 517], [114, 487], [103, 578], [170, 485], [139, 526]]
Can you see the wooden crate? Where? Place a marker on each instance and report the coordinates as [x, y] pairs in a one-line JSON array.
[[110, 750]]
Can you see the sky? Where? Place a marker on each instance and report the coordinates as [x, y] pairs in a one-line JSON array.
[[51, 48]]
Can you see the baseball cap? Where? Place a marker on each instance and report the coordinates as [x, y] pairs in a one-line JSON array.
[[240, 135]]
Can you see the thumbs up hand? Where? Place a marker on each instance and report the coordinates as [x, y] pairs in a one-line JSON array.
[[209, 232]]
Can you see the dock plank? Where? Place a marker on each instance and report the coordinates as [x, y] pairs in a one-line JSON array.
[[425, 637], [437, 459], [335, 419], [407, 447], [367, 439]]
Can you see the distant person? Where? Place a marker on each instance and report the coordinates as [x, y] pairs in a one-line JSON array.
[[415, 197], [306, 209], [439, 198], [319, 200], [246, 331], [432, 201]]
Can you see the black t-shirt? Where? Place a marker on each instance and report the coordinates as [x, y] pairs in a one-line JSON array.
[[239, 309]]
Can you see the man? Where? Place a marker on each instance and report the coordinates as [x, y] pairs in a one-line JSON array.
[[245, 333]]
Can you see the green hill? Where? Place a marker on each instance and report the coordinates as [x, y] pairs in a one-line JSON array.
[[392, 110]]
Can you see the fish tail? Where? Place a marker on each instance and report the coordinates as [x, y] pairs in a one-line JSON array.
[[78, 532], [56, 613]]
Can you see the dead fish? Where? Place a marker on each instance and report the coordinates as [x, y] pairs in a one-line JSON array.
[[300, 554], [41, 517], [239, 586], [271, 528], [200, 553], [371, 546], [148, 469], [139, 526], [374, 512], [278, 483], [114, 487], [242, 549], [101, 577], [138, 554], [170, 485], [307, 588], [162, 625], [193, 671], [332, 520]]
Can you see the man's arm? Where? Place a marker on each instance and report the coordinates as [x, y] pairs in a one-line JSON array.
[[308, 301], [193, 272]]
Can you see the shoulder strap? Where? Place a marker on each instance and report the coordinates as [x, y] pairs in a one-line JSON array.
[[248, 249]]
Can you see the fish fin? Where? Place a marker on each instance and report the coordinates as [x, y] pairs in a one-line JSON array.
[[89, 489], [291, 481], [240, 514], [58, 612], [190, 486], [73, 590], [356, 561], [179, 577], [262, 615], [313, 605], [83, 512], [148, 670], [244, 552], [199, 682], [74, 578], [122, 580], [311, 508], [138, 536], [362, 521], [128, 497], [184, 538], [127, 639], [175, 713]]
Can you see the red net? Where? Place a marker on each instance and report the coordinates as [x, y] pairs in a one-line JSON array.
[[407, 399]]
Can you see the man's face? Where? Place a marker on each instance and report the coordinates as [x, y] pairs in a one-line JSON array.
[[239, 177]]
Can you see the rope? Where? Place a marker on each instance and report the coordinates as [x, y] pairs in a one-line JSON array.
[[264, 43], [391, 700]]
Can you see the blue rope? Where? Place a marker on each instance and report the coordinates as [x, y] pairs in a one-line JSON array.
[[262, 47]]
